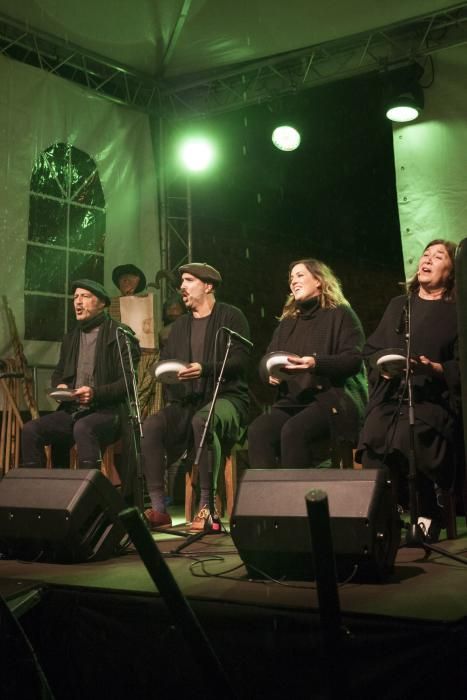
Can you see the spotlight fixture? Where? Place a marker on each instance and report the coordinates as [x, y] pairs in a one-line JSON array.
[[197, 154], [286, 137], [406, 107], [405, 98]]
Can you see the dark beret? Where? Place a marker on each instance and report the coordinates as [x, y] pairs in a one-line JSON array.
[[129, 269], [93, 287], [203, 271]]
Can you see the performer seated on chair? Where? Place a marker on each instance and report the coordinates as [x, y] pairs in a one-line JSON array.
[[322, 387], [89, 365], [427, 315], [179, 425]]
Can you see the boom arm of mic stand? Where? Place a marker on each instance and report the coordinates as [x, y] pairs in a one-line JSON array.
[[194, 468], [414, 536], [135, 420], [207, 425]]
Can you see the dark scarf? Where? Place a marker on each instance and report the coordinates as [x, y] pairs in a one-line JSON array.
[[90, 323], [71, 361]]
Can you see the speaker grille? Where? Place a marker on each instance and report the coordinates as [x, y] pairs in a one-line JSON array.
[[59, 515], [270, 525]]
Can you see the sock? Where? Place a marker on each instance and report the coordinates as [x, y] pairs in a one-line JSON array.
[[204, 498], [157, 497]]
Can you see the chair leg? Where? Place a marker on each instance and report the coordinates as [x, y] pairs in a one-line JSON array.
[[230, 476], [108, 466], [451, 522]]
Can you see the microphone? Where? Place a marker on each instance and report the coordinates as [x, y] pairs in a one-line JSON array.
[[237, 336], [127, 331], [11, 375], [401, 327]]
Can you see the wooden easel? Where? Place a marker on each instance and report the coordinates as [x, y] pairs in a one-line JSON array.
[[12, 423]]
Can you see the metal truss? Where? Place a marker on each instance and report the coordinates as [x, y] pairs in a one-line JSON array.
[[179, 223], [113, 81], [262, 81], [241, 85], [219, 91]]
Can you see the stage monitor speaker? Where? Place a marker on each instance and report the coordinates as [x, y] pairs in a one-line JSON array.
[[270, 527], [59, 515]]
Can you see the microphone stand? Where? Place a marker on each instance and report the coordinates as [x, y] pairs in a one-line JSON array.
[[415, 538], [215, 527], [134, 420]]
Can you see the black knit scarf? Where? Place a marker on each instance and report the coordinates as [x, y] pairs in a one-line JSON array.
[[69, 369]]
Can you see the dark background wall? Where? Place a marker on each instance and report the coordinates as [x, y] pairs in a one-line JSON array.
[[334, 199]]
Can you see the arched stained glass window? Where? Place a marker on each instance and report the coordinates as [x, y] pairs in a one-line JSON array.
[[65, 239]]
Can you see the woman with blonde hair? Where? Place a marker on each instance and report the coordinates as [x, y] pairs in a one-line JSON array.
[[322, 387]]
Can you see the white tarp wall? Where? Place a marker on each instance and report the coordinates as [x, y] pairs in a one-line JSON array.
[[37, 110], [430, 160]]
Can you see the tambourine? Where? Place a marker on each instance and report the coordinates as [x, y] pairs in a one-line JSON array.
[[61, 395], [391, 364], [166, 371], [272, 364]]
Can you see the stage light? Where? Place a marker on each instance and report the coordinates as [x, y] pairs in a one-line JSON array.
[[405, 107], [286, 137], [404, 95], [197, 154]]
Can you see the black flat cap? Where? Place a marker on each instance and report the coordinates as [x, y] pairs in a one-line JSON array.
[[129, 269], [93, 287], [203, 271]]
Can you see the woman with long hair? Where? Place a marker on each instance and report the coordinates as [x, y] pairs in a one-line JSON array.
[[322, 387], [423, 324]]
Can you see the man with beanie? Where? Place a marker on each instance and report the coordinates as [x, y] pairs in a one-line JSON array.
[[90, 368], [199, 340]]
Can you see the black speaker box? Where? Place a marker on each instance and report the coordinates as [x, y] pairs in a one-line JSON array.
[[59, 515], [271, 531]]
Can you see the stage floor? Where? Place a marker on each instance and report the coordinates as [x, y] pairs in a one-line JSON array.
[[102, 628], [421, 587]]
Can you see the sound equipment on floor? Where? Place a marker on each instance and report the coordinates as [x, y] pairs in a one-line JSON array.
[[271, 531], [59, 515]]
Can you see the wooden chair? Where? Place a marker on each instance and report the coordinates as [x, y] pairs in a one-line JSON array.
[[108, 467], [226, 483]]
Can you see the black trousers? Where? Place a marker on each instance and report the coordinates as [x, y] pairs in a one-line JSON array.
[[170, 432], [289, 437], [91, 434]]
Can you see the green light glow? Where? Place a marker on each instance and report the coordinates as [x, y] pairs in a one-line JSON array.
[[197, 154]]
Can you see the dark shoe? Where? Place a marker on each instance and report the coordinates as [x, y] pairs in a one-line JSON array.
[[206, 521], [155, 518], [88, 464]]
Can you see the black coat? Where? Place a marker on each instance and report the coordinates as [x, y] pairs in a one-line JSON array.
[[433, 333], [338, 382], [108, 380], [437, 428], [234, 386]]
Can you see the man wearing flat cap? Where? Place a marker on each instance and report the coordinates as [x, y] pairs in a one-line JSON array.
[[90, 368], [198, 340]]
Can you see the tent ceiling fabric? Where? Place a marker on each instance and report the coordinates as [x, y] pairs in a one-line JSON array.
[[172, 38]]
